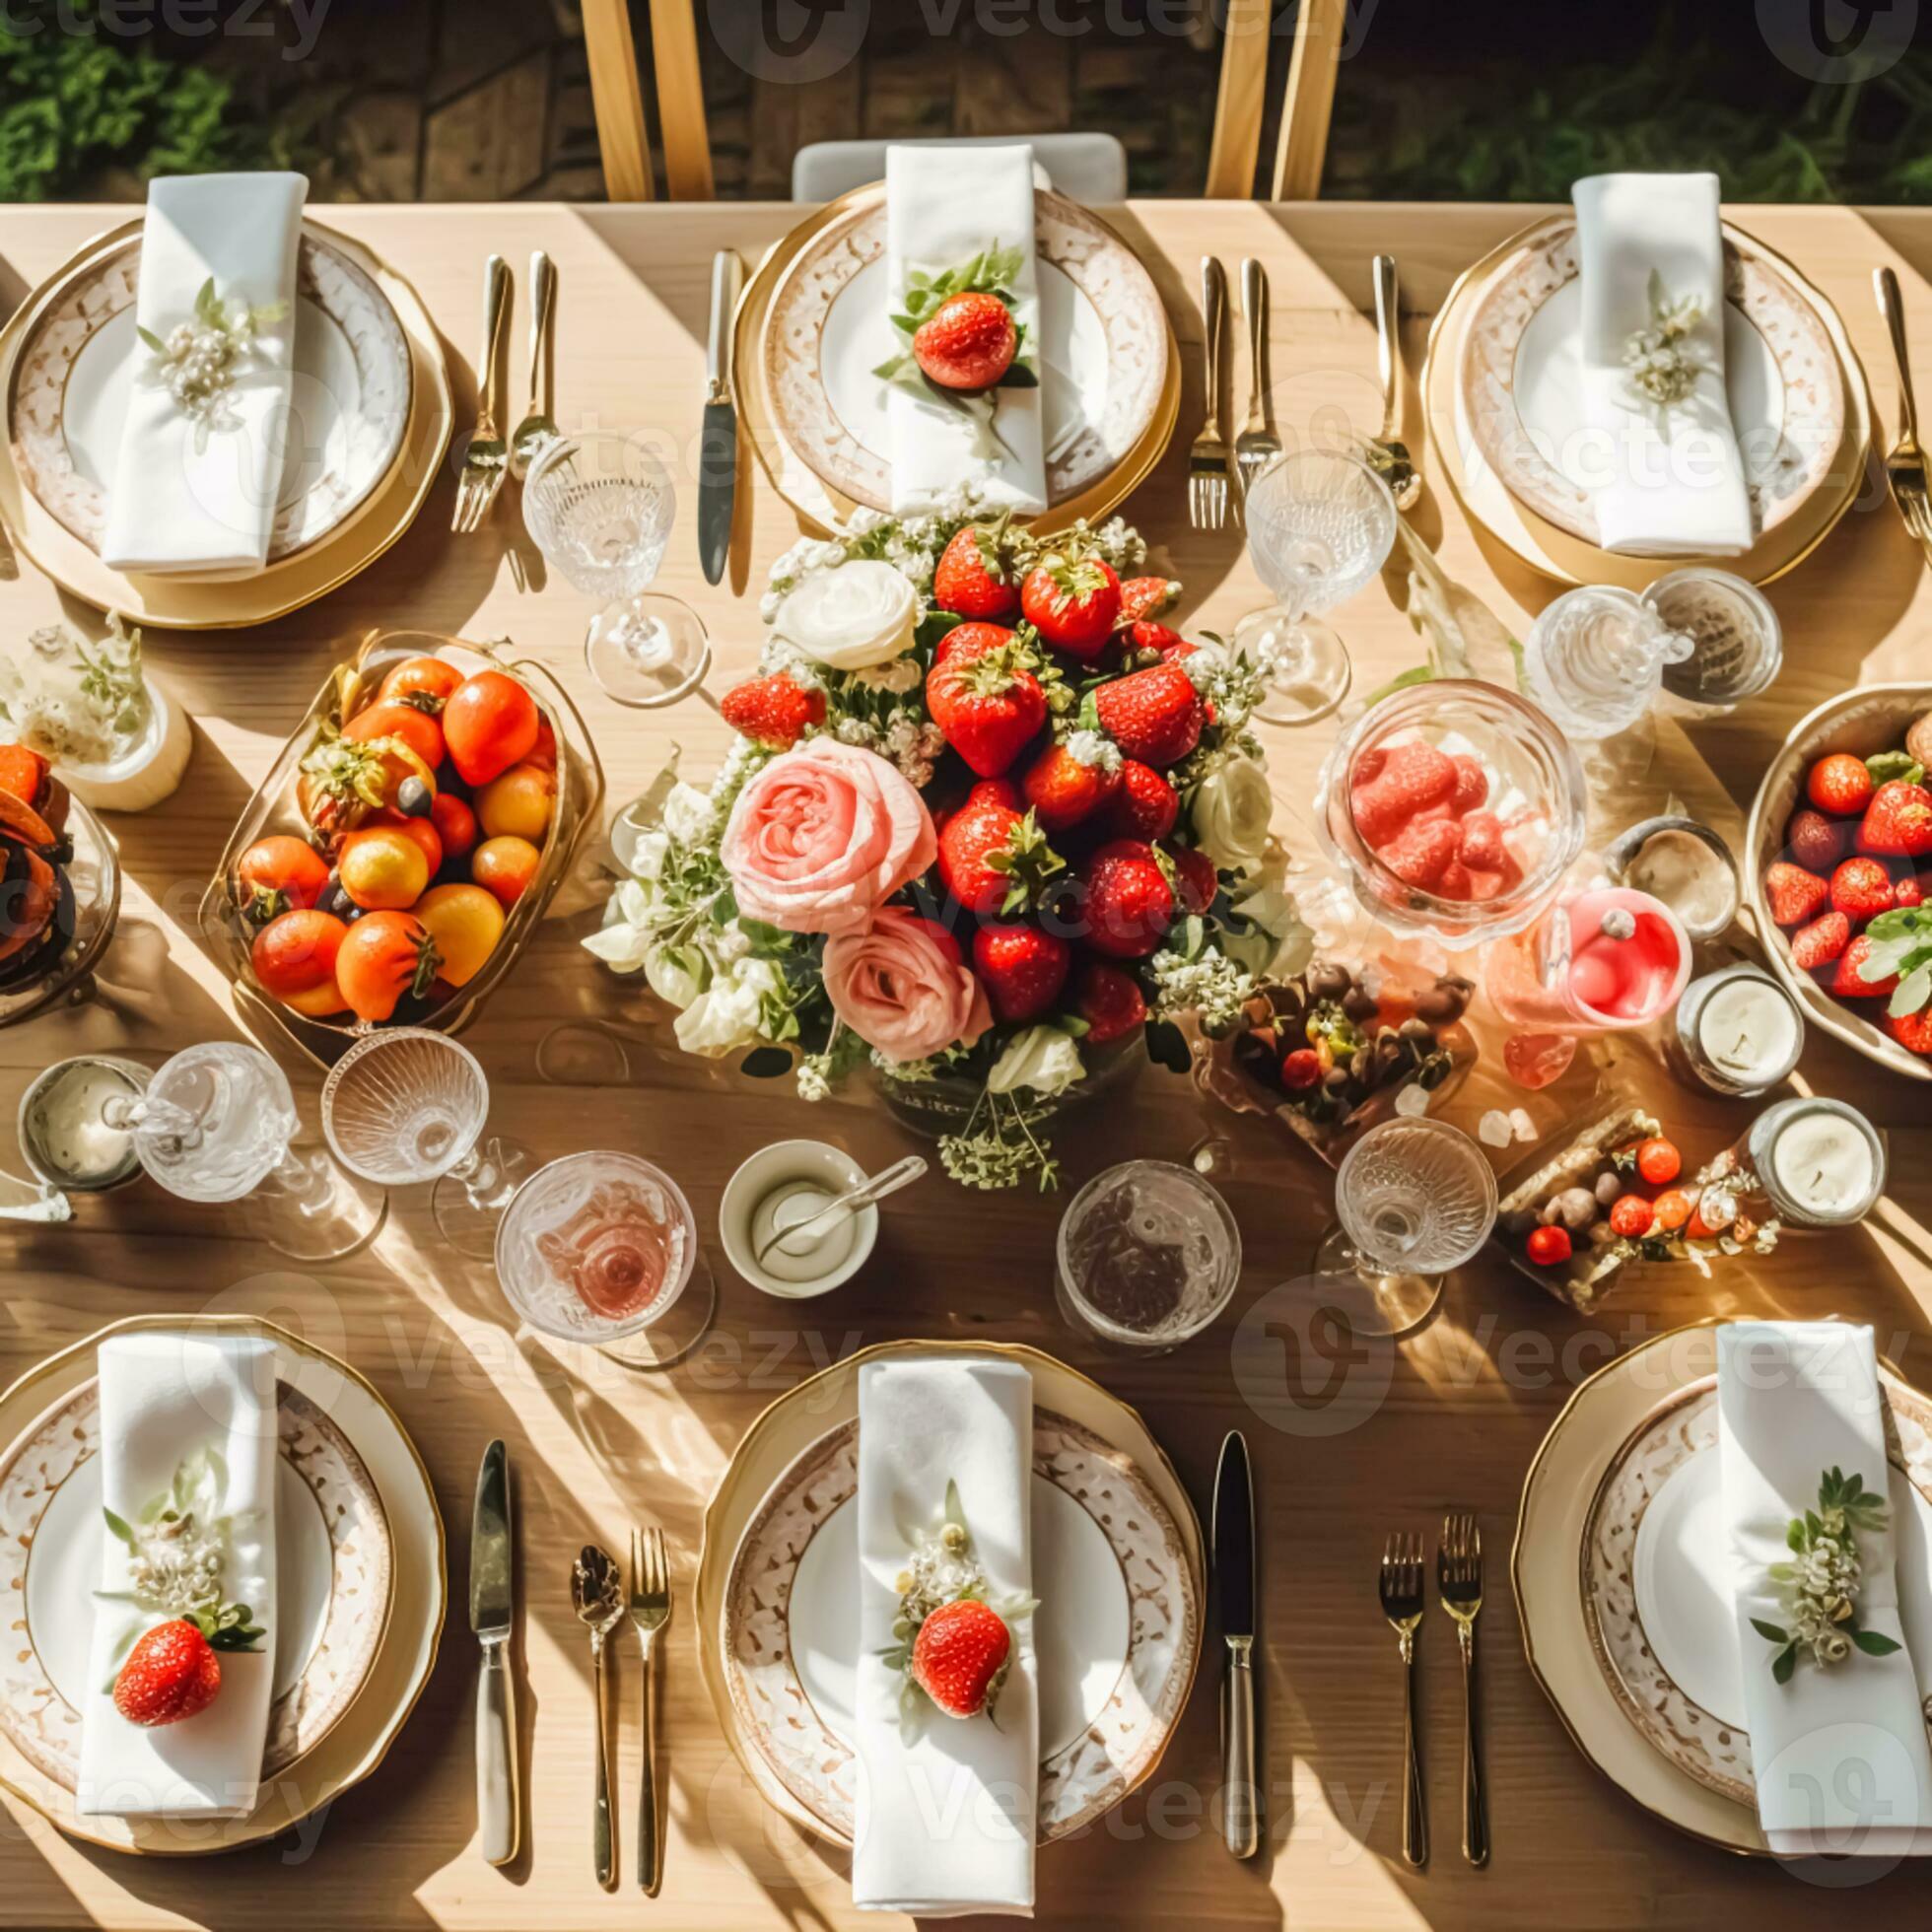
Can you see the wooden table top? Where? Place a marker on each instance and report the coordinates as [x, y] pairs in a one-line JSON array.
[[1455, 1422]]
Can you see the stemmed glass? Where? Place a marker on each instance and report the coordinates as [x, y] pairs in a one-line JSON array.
[[599, 507], [1320, 524]]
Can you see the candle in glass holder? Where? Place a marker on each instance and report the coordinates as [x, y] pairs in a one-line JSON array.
[[1819, 1162], [1738, 1031]]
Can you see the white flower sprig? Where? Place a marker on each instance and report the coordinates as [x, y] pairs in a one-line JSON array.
[[1662, 368], [1818, 1589], [198, 360]]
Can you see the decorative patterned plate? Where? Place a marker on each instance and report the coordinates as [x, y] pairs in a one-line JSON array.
[[334, 1568], [1520, 380], [1117, 1569], [348, 408], [1654, 1577]]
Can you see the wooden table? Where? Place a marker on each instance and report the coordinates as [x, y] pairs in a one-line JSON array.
[[1455, 1423]]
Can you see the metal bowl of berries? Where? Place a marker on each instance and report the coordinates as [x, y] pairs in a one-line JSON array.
[[1838, 871]]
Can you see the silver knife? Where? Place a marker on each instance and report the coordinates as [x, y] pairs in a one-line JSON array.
[[718, 447], [1234, 1592], [492, 1579]]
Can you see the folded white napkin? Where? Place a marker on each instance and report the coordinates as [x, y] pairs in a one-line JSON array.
[[180, 502], [945, 1824], [1838, 1752], [166, 1398], [942, 209], [1673, 484]]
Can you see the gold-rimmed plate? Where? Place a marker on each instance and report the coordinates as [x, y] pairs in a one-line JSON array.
[[1117, 1569], [355, 1743], [816, 419]]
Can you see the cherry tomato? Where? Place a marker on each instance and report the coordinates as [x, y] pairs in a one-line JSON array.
[[280, 874], [490, 724], [382, 867], [1672, 1209], [456, 824], [429, 679], [1549, 1246], [413, 727], [425, 834], [294, 958], [1659, 1162], [385, 955], [545, 751], [465, 922], [519, 804], [1630, 1216], [504, 866]]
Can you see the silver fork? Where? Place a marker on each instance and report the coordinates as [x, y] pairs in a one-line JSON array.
[[1257, 446], [1459, 1583], [1905, 461], [1207, 460], [487, 458], [1402, 1604], [650, 1610], [538, 429], [597, 1593], [1387, 451]]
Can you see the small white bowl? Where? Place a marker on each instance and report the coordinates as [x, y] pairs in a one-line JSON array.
[[831, 1168]]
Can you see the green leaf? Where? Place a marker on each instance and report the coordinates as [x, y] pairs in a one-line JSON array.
[[1885, 766], [1794, 1536], [1769, 1632], [1783, 1664], [117, 1527], [150, 340], [1911, 993], [1018, 377], [1873, 1645]]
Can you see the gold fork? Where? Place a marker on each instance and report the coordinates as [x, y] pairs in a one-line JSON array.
[[1904, 463], [1387, 453], [650, 1610], [1208, 458], [1402, 1604], [1459, 1583], [487, 458]]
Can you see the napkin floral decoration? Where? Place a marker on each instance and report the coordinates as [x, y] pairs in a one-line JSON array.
[[198, 360], [1662, 368], [1819, 1587]]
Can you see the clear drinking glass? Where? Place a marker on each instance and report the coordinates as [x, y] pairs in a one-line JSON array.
[[1320, 524], [408, 1105], [599, 507], [1414, 1198], [1148, 1256]]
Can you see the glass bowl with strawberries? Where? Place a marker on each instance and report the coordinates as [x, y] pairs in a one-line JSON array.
[[1453, 808]]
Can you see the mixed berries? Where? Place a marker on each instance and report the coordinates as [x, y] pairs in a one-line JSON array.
[[1427, 815]]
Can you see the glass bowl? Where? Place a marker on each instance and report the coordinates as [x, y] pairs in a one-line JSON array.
[[229, 935], [1534, 790]]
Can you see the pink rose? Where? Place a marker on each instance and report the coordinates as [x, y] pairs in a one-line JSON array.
[[903, 987], [822, 835]]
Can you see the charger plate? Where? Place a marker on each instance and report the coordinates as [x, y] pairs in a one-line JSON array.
[[396, 1485], [1117, 1566]]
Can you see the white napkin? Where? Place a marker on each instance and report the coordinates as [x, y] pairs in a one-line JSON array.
[[1840, 1754], [173, 506], [1673, 487], [165, 1396], [942, 208], [945, 1826]]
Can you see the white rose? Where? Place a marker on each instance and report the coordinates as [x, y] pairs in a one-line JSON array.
[[1285, 942], [1043, 1058], [676, 974], [1230, 809], [728, 1014], [687, 814], [858, 615], [622, 941]]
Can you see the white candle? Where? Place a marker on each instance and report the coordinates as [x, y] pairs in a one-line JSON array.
[[1747, 1030], [1822, 1160]]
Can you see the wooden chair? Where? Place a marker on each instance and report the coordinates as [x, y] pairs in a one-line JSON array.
[[618, 99], [1319, 25]]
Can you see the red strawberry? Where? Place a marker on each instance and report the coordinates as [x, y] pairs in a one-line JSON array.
[[1195, 875], [1913, 1031], [1408, 778], [1458, 881], [971, 639], [988, 706], [1861, 889], [1421, 855], [1146, 806], [1021, 967], [1821, 942], [172, 1673], [1471, 783], [1840, 783], [1072, 605], [968, 342], [1301, 1068], [1793, 893], [1110, 1002], [1814, 841], [1482, 847], [1129, 899], [1911, 890], [1153, 715], [1847, 984], [1897, 821], [1146, 596], [772, 710], [960, 1657], [992, 856], [974, 576], [1063, 789], [1149, 642]]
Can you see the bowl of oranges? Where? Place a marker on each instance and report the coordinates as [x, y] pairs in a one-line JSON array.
[[406, 842]]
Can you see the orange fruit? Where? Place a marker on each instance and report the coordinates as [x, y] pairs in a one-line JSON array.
[[293, 959], [384, 867], [425, 677], [490, 724], [386, 955], [504, 866], [403, 722], [518, 804], [465, 922]]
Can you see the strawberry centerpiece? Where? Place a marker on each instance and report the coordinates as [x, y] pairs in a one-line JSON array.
[[990, 821]]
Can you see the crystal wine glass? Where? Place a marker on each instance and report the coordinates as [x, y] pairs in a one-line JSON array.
[[1414, 1198], [408, 1105], [216, 1124], [1320, 524], [1149, 1255], [599, 507]]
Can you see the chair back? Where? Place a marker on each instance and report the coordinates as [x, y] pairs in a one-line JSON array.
[[617, 96], [1307, 104]]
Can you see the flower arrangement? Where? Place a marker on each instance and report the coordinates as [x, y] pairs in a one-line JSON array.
[[197, 362], [1818, 1589], [1662, 367], [987, 820]]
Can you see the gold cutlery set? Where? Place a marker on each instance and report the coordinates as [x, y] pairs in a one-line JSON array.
[[489, 454], [1212, 458], [1402, 1582]]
